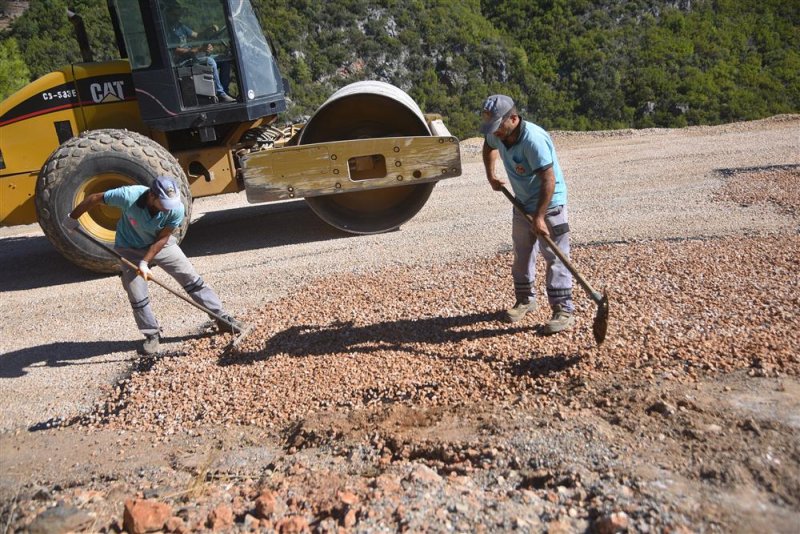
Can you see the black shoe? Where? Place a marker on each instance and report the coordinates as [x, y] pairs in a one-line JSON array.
[[225, 97], [230, 324], [151, 344]]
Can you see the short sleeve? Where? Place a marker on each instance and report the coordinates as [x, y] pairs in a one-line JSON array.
[[491, 140], [538, 153], [119, 198], [174, 218]]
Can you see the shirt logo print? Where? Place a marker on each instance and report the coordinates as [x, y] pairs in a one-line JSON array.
[[520, 169], [132, 221]]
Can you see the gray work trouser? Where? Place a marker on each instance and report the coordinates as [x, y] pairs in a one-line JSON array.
[[526, 246], [172, 259]]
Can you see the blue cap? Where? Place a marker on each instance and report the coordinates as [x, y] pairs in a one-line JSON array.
[[166, 190]]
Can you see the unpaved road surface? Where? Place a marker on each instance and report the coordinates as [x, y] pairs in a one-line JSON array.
[[381, 389]]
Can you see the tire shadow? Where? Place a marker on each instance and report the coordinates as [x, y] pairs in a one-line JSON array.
[[31, 262]]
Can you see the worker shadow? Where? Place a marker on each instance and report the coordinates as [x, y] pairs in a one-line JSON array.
[[541, 365], [257, 227], [62, 354], [405, 335], [18, 363]]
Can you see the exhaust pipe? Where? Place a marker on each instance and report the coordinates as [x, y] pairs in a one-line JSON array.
[[80, 35]]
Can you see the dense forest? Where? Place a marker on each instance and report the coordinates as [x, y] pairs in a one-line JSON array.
[[569, 64]]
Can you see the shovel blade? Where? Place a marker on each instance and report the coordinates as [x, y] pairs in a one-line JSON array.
[[242, 334], [600, 326]]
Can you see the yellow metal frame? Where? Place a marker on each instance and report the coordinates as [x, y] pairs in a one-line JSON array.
[[28, 140], [218, 171], [16, 199]]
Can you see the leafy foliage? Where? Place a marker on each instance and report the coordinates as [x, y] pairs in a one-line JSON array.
[[655, 63], [13, 72], [569, 64], [47, 39]]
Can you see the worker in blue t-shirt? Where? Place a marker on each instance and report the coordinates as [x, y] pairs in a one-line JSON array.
[[149, 217], [530, 161]]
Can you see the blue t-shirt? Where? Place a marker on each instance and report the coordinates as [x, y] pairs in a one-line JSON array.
[[533, 151], [179, 34], [136, 228]]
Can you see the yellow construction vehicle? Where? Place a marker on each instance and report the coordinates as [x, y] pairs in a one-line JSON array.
[[202, 106]]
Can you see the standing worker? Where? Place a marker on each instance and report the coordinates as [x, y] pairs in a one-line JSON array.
[[532, 167], [144, 236]]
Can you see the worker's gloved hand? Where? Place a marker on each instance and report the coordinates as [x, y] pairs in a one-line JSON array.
[[70, 224], [144, 270]]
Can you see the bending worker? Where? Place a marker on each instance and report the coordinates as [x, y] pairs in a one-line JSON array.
[[530, 161], [144, 237]]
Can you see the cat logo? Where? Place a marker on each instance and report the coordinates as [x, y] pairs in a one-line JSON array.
[[107, 91]]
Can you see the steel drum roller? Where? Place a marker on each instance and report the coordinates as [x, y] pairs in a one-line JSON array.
[[364, 110]]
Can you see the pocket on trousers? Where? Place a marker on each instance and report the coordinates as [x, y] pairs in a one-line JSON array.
[[557, 221]]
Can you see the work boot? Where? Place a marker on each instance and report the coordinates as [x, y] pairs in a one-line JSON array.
[[225, 97], [520, 308], [151, 344], [238, 326], [561, 320]]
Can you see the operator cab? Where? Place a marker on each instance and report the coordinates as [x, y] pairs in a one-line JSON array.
[[197, 64]]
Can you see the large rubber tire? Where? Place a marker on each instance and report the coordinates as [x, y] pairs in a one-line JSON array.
[[94, 162]]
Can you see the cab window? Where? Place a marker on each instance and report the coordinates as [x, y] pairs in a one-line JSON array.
[[133, 33]]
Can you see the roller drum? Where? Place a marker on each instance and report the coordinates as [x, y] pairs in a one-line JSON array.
[[364, 110]]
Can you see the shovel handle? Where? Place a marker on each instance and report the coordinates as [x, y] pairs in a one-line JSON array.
[[594, 295], [130, 264]]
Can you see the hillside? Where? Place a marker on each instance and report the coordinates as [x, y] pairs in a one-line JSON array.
[[570, 64], [10, 10]]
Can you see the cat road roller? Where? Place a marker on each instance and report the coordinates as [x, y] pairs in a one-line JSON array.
[[197, 96]]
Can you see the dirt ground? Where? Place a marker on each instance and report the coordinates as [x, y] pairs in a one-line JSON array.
[[355, 408]]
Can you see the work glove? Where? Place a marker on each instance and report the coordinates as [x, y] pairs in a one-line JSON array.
[[70, 224], [144, 270]]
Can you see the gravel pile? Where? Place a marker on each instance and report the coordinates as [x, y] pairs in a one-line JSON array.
[[405, 404], [435, 337]]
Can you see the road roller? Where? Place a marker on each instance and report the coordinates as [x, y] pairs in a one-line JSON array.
[[197, 96]]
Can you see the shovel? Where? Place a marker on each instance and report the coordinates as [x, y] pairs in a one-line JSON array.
[[600, 326], [242, 332]]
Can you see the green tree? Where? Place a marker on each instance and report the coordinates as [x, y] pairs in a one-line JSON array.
[[47, 38], [13, 71], [569, 64]]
